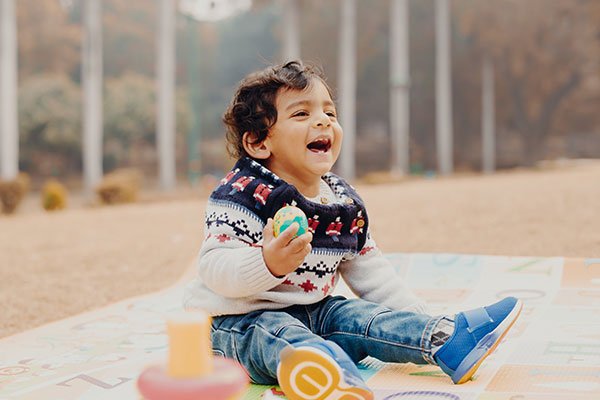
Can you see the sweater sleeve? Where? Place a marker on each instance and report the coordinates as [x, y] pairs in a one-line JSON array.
[[372, 277], [230, 262]]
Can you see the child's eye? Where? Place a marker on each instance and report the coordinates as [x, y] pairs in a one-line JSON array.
[[331, 114], [300, 114]]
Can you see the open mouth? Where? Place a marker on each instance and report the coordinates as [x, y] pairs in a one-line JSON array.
[[321, 145]]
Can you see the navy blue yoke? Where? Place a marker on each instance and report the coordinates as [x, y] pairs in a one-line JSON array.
[[339, 226]]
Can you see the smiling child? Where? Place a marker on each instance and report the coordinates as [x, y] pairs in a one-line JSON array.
[[271, 298]]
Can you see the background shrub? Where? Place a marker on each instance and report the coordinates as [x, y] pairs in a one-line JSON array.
[[54, 195], [120, 186], [12, 192]]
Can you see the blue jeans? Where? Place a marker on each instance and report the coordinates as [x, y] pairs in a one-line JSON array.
[[359, 327]]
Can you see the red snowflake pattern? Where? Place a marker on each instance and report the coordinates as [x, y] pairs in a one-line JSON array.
[[308, 286], [223, 238]]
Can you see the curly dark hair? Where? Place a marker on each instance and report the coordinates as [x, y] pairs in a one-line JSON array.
[[252, 108]]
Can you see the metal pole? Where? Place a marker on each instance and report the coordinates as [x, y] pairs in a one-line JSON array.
[[399, 87], [347, 86], [488, 116], [291, 46], [166, 90], [9, 133], [194, 134], [443, 86], [92, 94]]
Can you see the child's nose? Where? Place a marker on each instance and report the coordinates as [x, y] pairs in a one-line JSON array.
[[322, 121]]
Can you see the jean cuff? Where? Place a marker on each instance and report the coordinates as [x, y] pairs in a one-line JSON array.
[[426, 339]]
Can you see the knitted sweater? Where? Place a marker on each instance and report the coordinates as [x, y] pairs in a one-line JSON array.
[[232, 275]]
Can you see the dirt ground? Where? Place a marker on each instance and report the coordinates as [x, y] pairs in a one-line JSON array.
[[53, 265]]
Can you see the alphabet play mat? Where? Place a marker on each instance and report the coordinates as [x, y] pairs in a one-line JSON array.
[[553, 351]]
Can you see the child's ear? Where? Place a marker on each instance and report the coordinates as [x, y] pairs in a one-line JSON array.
[[258, 150]]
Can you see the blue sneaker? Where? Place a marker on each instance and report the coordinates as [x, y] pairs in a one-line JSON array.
[[476, 334], [320, 370]]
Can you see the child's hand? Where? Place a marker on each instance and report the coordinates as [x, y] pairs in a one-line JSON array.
[[283, 254]]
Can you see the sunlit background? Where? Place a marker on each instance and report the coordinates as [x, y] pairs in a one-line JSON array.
[[425, 86]]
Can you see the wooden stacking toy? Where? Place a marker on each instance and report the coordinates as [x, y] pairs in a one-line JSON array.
[[191, 372]]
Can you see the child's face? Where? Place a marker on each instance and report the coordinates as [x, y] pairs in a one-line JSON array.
[[306, 139]]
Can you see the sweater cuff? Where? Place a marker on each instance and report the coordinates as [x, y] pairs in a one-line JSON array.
[[256, 274]]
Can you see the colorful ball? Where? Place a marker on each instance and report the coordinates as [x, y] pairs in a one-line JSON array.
[[286, 216]]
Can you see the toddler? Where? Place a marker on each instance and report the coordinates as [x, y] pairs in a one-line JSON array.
[[271, 297]]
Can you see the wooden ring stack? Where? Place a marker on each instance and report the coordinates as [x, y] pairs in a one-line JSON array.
[[192, 372]]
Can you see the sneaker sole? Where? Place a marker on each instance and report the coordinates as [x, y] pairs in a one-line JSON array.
[[309, 374], [487, 345]]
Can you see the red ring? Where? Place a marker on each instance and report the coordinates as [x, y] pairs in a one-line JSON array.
[[227, 379]]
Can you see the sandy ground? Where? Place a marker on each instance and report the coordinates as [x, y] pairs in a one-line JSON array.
[[53, 265]]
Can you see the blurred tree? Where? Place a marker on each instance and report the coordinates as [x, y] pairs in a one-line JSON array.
[[130, 108], [50, 125], [222, 53], [244, 44], [129, 37], [130, 122], [543, 52], [580, 113], [48, 41], [320, 38]]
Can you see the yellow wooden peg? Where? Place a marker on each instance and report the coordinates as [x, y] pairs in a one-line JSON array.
[[190, 353]]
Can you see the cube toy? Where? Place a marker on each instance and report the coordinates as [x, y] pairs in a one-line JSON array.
[[191, 372], [286, 216]]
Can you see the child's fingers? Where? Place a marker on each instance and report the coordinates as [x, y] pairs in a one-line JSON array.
[[268, 231], [287, 235], [307, 235], [303, 240], [307, 248], [299, 244], [303, 251]]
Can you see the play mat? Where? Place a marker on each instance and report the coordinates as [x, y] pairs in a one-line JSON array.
[[553, 351]]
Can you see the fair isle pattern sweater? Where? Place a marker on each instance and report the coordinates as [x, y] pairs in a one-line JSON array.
[[232, 275]]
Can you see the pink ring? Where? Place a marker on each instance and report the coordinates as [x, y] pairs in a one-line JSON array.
[[227, 381]]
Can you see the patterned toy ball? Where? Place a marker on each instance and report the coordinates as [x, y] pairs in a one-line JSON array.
[[286, 216]]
